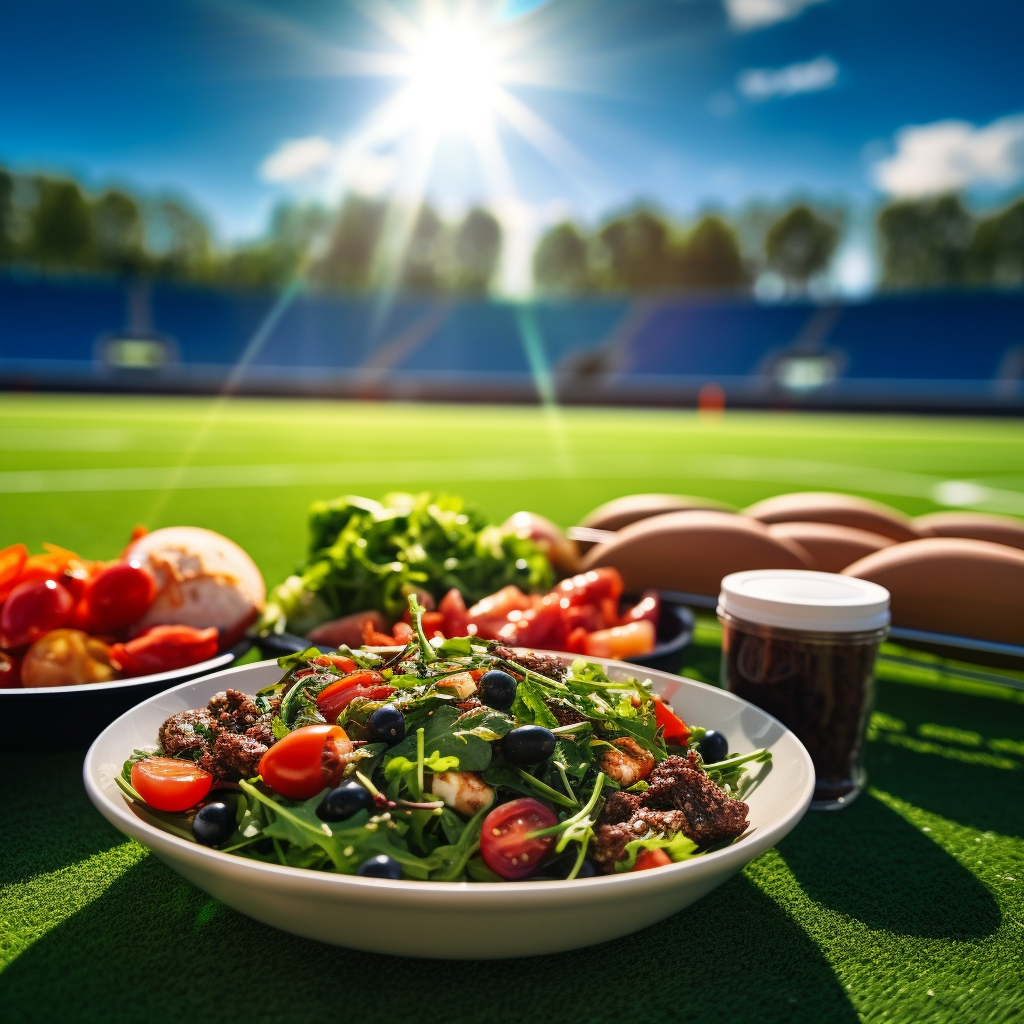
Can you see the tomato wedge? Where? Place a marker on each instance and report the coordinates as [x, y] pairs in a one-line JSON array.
[[646, 859], [295, 765], [504, 844], [675, 729], [169, 784], [333, 699]]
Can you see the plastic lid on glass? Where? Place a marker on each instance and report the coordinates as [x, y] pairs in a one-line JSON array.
[[801, 599]]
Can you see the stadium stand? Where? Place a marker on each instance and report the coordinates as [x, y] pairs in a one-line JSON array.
[[952, 350]]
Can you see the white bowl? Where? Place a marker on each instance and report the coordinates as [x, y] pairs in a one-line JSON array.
[[462, 920]]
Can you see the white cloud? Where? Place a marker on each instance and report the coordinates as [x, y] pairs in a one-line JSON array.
[[749, 14], [950, 155], [296, 158], [812, 76]]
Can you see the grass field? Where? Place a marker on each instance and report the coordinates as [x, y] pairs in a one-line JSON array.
[[80, 471]]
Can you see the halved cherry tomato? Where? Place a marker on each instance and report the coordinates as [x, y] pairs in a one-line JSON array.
[[120, 595], [11, 561], [504, 845], [34, 608], [163, 648], [169, 784], [592, 587], [621, 641], [646, 859], [333, 699], [294, 765], [675, 729]]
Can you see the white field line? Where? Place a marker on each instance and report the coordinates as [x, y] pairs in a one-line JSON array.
[[803, 473]]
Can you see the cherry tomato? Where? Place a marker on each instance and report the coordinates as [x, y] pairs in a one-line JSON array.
[[119, 596], [504, 845], [621, 641], [333, 699], [170, 785], [11, 561], [10, 671], [646, 859], [66, 657], [34, 608], [456, 618], [544, 626], [592, 587], [163, 648], [675, 729], [294, 765], [491, 613]]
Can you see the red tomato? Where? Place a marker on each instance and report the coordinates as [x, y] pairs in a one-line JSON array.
[[34, 608], [294, 765], [651, 859], [504, 845], [592, 587], [675, 729], [333, 699], [621, 641], [170, 785], [456, 618], [575, 640], [648, 607], [494, 609], [10, 671], [543, 626], [433, 623], [120, 595], [338, 661], [403, 632], [163, 648], [11, 561]]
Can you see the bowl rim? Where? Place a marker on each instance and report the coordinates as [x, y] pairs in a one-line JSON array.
[[112, 804], [209, 667]]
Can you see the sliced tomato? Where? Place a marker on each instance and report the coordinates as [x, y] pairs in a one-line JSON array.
[[169, 784], [333, 699], [120, 595], [338, 661], [34, 608], [164, 648], [648, 607], [675, 729], [403, 632], [295, 765], [592, 587], [628, 641], [433, 623], [647, 859], [504, 843], [542, 626], [455, 616], [492, 612]]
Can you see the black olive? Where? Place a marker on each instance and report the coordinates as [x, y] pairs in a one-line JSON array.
[[386, 725], [529, 744], [343, 802], [497, 689], [714, 747], [380, 866], [214, 823]]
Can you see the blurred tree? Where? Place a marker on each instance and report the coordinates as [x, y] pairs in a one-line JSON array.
[[424, 261], [800, 244], [349, 258], [996, 253], [8, 247], [117, 232], [178, 239], [710, 259], [560, 261], [477, 246], [924, 243], [60, 225], [633, 253]]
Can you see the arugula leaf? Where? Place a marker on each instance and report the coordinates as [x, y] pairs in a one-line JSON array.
[[473, 753], [529, 706]]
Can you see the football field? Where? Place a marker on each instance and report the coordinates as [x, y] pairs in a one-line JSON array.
[[81, 471]]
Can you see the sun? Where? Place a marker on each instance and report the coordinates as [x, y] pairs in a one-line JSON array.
[[454, 79]]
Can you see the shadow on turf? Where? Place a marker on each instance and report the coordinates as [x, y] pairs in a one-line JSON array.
[[870, 864], [152, 942], [49, 821]]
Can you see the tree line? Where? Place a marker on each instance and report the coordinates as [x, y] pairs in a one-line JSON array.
[[362, 244]]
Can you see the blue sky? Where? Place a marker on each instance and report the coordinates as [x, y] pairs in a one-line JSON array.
[[684, 103]]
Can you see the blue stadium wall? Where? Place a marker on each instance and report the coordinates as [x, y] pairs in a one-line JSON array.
[[932, 351]]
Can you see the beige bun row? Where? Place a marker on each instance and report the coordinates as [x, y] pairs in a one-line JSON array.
[[959, 573]]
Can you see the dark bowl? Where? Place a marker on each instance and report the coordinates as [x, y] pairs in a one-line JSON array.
[[675, 631], [66, 717]]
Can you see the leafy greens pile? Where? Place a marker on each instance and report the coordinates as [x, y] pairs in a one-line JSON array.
[[365, 555]]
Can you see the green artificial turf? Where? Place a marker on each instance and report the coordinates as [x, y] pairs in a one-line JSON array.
[[906, 906]]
